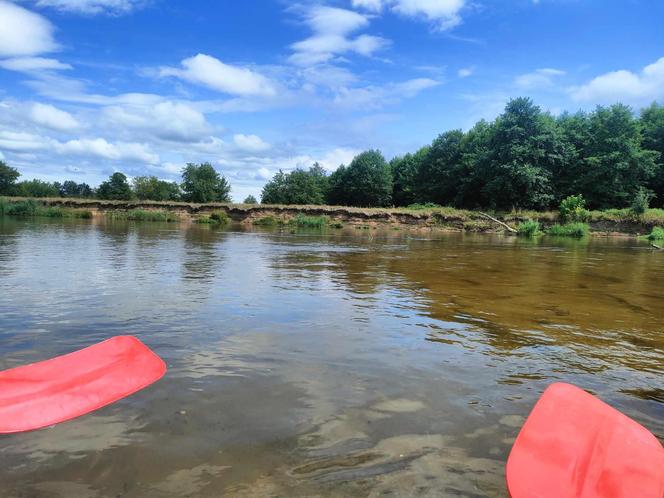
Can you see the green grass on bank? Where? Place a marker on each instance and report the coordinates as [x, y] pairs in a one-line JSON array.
[[304, 221], [657, 234], [142, 215], [216, 218], [528, 228], [31, 208], [577, 230]]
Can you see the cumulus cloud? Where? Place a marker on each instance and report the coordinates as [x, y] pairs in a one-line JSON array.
[[250, 143], [175, 121], [624, 86], [24, 33], [211, 72], [32, 64], [375, 97], [444, 14], [99, 147], [52, 117], [540, 78], [92, 6], [332, 28]]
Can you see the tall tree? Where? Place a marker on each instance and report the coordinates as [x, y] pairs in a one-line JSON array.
[[152, 188], [405, 171], [439, 177], [615, 164], [366, 182], [201, 183], [115, 188], [525, 148], [297, 187], [72, 189], [652, 124], [8, 177]]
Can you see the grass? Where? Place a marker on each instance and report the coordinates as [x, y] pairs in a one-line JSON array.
[[656, 234], [304, 221], [143, 215], [216, 218], [577, 230], [31, 208], [528, 228], [267, 221]]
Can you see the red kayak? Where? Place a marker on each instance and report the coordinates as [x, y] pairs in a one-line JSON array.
[[62, 388], [574, 445]]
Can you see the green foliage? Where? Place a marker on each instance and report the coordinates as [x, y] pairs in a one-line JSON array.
[[8, 177], [573, 208], [220, 217], [577, 230], [72, 189], [528, 228], [31, 207], [419, 207], [405, 171], [143, 215], [641, 201], [652, 126], [154, 189], [37, 188], [201, 183], [115, 188], [250, 199], [302, 220], [267, 221], [298, 187], [656, 234], [366, 182]]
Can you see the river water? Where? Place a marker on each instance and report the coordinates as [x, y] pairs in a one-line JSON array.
[[348, 363]]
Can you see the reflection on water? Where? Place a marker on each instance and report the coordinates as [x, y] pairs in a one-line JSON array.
[[343, 364]]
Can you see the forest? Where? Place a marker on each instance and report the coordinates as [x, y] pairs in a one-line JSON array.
[[524, 159]]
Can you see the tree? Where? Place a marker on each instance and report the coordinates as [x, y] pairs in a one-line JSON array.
[[525, 148], [8, 177], [37, 188], [115, 188], [250, 199], [154, 189], [405, 172], [201, 183], [298, 187], [652, 125], [72, 189], [614, 163], [439, 178], [366, 182]]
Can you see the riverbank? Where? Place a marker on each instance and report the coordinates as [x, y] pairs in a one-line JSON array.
[[609, 222]]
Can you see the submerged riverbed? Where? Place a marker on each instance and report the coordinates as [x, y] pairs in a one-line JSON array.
[[352, 363]]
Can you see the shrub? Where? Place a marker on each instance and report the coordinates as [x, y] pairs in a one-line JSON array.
[[141, 215], [220, 217], [528, 228], [656, 234], [22, 208], [267, 221], [577, 230], [302, 220], [573, 208], [641, 201]]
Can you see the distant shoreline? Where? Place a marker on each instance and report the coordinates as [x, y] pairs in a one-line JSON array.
[[609, 222]]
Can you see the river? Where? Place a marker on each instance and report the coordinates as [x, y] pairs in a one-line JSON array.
[[345, 363]]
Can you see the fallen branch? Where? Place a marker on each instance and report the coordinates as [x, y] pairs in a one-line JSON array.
[[657, 247], [499, 222]]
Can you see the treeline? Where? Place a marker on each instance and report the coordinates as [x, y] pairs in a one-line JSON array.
[[524, 159], [200, 183]]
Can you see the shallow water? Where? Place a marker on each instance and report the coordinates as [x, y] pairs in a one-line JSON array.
[[351, 363]]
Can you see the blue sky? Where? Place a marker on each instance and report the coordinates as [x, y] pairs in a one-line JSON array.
[[89, 87]]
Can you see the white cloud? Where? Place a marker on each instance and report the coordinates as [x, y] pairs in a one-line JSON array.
[[445, 14], [250, 143], [376, 97], [92, 6], [32, 64], [372, 5], [167, 120], [99, 147], [464, 72], [52, 117], [540, 78], [22, 141], [24, 33], [332, 28], [2, 156], [624, 86], [211, 72]]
